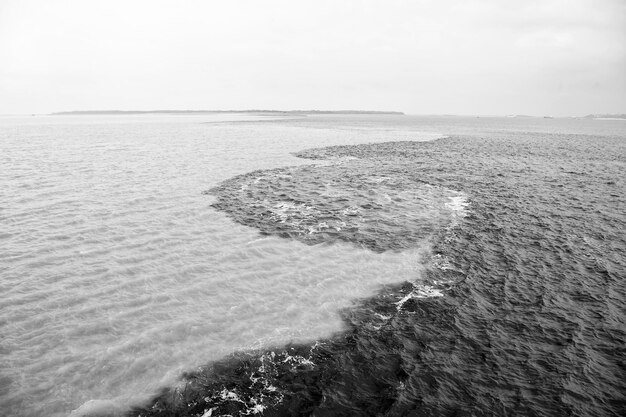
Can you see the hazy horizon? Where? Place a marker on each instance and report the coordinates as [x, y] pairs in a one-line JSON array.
[[554, 57], [294, 111]]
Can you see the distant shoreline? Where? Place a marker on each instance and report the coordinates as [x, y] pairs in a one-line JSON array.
[[606, 116], [133, 112]]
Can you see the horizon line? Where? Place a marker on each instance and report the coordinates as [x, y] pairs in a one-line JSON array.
[[310, 111], [115, 111]]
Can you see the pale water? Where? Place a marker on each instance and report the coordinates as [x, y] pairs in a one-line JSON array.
[[118, 273]]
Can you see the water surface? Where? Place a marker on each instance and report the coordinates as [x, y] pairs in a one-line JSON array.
[[119, 273]]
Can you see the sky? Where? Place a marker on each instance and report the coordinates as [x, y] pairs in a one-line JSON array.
[[492, 57]]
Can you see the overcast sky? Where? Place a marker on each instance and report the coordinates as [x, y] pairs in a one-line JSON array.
[[544, 57]]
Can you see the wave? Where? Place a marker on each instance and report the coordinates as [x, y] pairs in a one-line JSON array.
[[511, 313], [373, 204]]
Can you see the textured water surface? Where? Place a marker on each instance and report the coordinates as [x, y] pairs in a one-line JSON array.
[[520, 309], [116, 273], [365, 204], [476, 274]]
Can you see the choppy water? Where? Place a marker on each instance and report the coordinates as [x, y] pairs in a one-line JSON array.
[[477, 274]]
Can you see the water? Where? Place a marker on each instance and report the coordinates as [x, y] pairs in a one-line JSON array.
[[478, 273], [117, 274]]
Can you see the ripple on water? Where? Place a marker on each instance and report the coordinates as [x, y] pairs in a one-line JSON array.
[[131, 314], [383, 211], [366, 203], [527, 325], [129, 294]]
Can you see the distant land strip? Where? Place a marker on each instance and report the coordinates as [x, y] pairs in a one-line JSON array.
[[130, 112], [605, 116]]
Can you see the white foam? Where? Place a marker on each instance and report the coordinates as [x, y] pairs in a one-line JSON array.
[[443, 262], [458, 204], [95, 408], [264, 393], [209, 412], [419, 291]]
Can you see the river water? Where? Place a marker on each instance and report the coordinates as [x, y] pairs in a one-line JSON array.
[[480, 272]]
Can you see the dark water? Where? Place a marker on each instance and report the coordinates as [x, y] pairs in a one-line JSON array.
[[531, 321]]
